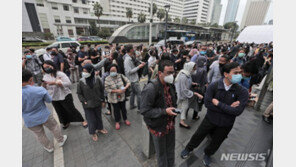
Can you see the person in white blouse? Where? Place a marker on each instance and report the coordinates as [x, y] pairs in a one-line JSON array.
[[58, 86]]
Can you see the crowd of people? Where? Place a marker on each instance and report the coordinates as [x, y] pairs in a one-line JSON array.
[[219, 76]]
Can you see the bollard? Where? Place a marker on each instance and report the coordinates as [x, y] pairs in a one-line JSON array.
[[147, 142]]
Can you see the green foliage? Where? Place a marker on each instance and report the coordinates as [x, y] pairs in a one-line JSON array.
[[98, 11], [129, 13], [48, 35], [141, 18], [215, 25], [193, 22], [104, 32], [154, 9], [161, 14], [169, 18], [177, 20], [184, 20], [231, 25], [93, 30]]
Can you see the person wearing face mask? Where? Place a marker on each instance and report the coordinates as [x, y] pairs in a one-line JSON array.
[[157, 107], [215, 69], [225, 99], [32, 63], [58, 86], [183, 84], [175, 57], [90, 93], [116, 86], [240, 57]]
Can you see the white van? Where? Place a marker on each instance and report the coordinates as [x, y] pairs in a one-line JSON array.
[[61, 45]]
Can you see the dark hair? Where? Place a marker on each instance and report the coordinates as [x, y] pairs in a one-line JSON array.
[[250, 67], [49, 48], [81, 47], [165, 56], [123, 51], [110, 66], [128, 48], [89, 45], [26, 75], [32, 50], [163, 63], [174, 50], [49, 62], [225, 57], [118, 48], [107, 47], [115, 55], [228, 67]]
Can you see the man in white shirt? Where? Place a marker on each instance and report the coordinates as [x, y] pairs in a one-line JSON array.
[[47, 56]]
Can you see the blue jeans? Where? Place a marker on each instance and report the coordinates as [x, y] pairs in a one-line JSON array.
[[136, 91]]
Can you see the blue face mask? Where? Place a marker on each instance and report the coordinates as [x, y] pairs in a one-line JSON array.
[[113, 74], [236, 78], [241, 54], [247, 78], [29, 56], [202, 52]]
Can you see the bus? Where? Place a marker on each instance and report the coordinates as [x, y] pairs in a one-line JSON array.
[[180, 34]]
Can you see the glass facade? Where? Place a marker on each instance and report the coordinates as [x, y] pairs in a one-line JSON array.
[[140, 32]]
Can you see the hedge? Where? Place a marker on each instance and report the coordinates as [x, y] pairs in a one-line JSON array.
[[32, 44]]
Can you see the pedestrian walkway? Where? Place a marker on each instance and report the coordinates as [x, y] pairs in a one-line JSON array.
[[123, 148]]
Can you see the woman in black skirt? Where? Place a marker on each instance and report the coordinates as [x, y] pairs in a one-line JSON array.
[[58, 85], [90, 92]]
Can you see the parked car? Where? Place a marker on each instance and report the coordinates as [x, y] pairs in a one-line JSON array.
[[32, 39], [84, 38], [62, 38], [170, 41], [95, 38], [61, 45]]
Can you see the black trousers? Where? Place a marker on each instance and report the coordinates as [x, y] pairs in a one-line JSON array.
[[94, 119], [218, 134], [165, 149], [66, 110], [120, 106]]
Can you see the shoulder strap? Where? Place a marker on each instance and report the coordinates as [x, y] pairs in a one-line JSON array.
[[124, 83]]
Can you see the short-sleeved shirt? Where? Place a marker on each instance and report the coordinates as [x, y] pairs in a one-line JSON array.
[[57, 60], [81, 54], [34, 110]]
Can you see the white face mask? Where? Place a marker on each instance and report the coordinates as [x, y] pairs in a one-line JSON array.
[[85, 74], [169, 79]]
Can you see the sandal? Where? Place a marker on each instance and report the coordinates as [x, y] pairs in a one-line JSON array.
[[95, 137], [184, 126], [128, 123], [117, 126], [84, 124], [104, 131]]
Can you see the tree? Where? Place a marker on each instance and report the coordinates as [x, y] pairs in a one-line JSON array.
[[177, 20], [184, 20], [231, 25], [215, 25], [161, 14], [93, 30], [193, 22], [104, 32], [154, 10], [129, 13], [98, 11], [169, 18], [141, 17], [205, 24]]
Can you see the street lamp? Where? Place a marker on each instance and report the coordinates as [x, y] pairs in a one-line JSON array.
[[167, 9]]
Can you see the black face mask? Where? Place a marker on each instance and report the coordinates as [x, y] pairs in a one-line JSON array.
[[221, 65], [48, 70], [54, 53]]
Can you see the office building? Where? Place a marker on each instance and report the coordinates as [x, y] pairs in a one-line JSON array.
[[231, 11], [198, 10], [217, 8]]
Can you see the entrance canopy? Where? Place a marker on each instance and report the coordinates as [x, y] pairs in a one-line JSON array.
[[257, 34]]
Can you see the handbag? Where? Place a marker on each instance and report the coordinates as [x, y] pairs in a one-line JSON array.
[[128, 90]]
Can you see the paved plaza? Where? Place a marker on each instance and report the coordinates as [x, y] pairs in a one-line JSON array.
[[123, 148]]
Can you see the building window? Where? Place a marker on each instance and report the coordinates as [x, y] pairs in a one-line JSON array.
[[66, 8], [83, 1], [40, 3], [70, 32], [57, 19], [68, 20], [76, 10], [54, 6], [85, 11], [74, 1]]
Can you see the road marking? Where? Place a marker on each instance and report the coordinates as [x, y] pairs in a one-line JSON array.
[[58, 154]]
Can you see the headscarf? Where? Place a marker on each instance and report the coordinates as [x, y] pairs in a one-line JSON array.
[[200, 75], [188, 67], [90, 80]]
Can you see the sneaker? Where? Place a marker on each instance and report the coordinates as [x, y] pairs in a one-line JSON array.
[[207, 160], [185, 153], [63, 142], [48, 150]]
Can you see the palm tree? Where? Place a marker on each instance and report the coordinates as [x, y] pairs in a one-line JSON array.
[[184, 20], [154, 9], [98, 11], [141, 17], [129, 14], [161, 14]]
